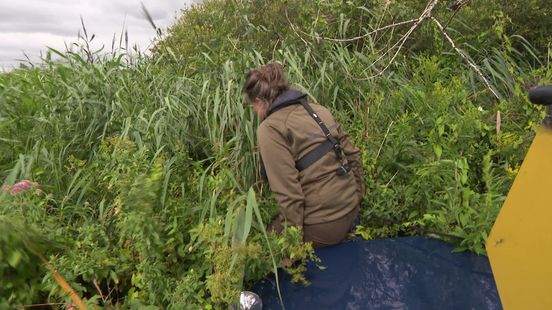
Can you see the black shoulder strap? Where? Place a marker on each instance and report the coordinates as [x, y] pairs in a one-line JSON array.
[[320, 123], [331, 143], [321, 150], [314, 155]]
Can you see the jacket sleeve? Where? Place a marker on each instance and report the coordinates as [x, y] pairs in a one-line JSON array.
[[353, 155], [283, 177]]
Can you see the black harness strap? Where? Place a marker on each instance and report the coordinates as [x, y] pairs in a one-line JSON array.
[[314, 155], [331, 143], [321, 150]]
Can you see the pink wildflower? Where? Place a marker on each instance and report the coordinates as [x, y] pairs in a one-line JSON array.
[[22, 186]]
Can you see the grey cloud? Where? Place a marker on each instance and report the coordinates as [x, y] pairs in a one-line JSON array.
[[31, 25], [37, 26]]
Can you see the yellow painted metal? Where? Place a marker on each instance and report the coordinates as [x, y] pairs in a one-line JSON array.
[[520, 242]]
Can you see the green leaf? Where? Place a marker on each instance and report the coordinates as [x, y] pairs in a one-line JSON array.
[[362, 58], [15, 258], [244, 219], [438, 150], [251, 204]]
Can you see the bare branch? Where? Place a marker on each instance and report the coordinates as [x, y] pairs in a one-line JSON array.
[[99, 290], [425, 15], [466, 58], [456, 7], [364, 35]]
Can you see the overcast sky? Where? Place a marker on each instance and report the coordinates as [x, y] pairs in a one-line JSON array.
[[31, 25]]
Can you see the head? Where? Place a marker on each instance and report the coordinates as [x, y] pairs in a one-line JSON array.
[[263, 85]]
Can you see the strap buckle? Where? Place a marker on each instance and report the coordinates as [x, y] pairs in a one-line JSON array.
[[344, 169]]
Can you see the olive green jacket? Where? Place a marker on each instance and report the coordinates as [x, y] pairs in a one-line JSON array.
[[316, 194]]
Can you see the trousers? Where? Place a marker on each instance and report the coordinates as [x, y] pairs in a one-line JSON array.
[[323, 234]]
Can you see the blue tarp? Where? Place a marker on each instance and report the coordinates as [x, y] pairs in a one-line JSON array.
[[399, 273]]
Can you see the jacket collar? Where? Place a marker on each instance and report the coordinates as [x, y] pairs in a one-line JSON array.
[[286, 98]]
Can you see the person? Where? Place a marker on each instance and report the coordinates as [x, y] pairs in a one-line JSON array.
[[323, 198]]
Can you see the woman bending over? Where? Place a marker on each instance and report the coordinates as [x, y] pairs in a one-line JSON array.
[[311, 166]]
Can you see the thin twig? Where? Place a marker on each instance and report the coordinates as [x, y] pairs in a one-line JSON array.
[[383, 141], [465, 58], [452, 17], [425, 15], [99, 290], [380, 21], [387, 5], [364, 35], [400, 43], [391, 180], [108, 295], [59, 279], [293, 29], [274, 48], [299, 36], [456, 7]]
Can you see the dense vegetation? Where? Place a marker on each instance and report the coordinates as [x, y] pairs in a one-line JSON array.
[[144, 188]]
